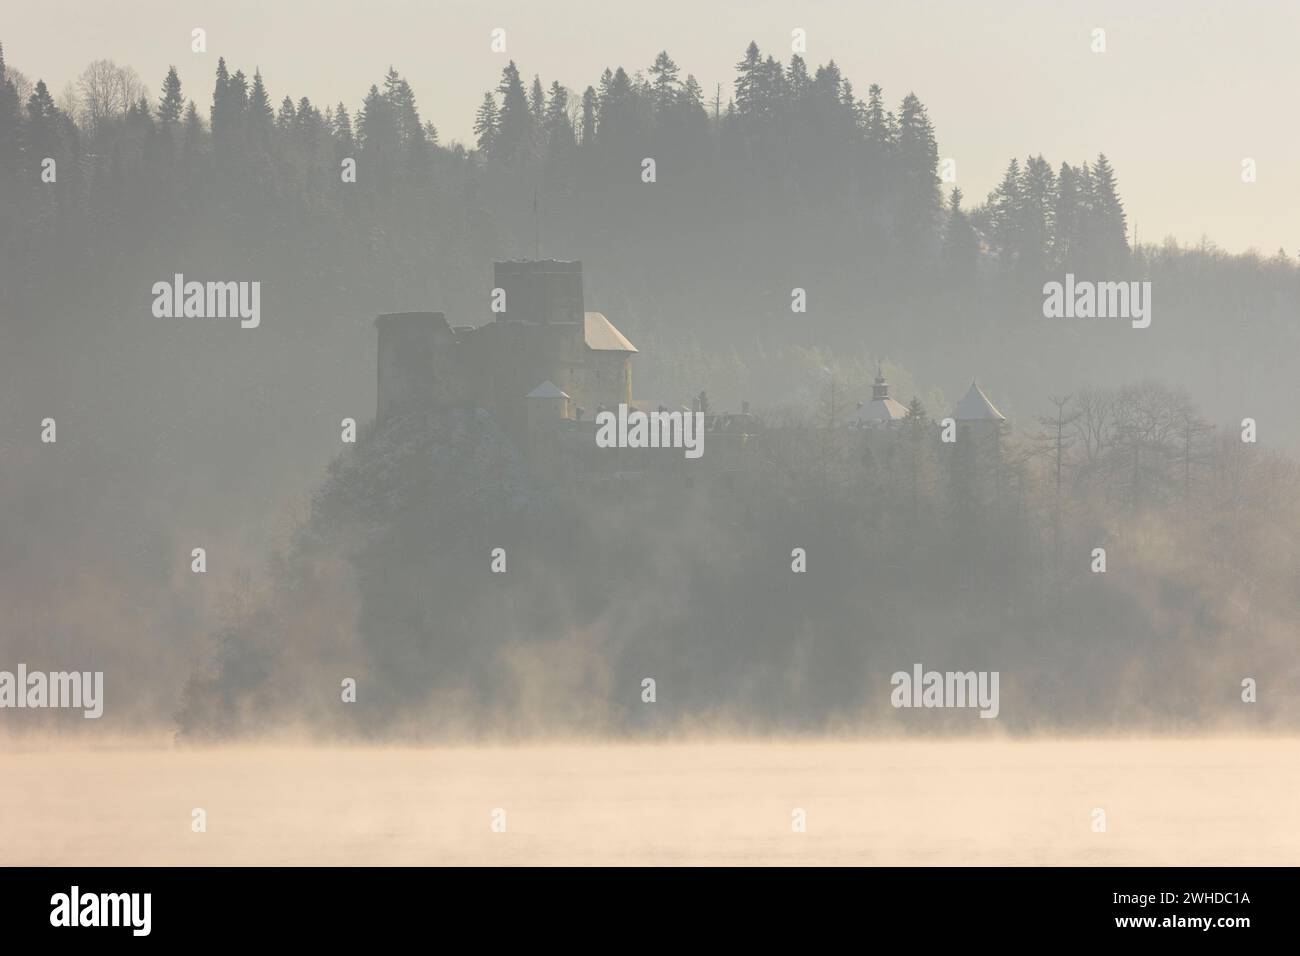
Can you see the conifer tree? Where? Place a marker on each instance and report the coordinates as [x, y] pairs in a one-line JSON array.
[[171, 103], [401, 100], [558, 129], [260, 119], [917, 425], [960, 244], [284, 119], [1068, 218], [486, 124], [379, 138], [220, 114], [1004, 210], [773, 88], [515, 120], [308, 124], [1108, 224], [880, 135], [193, 130], [238, 94], [616, 106], [1037, 214], [1086, 256], [10, 121], [693, 116], [748, 83], [828, 87], [664, 82], [796, 79], [537, 102], [692, 94], [920, 198], [229, 103], [342, 129], [605, 89], [588, 116], [42, 132]]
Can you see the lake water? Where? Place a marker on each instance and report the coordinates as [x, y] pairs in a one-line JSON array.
[[1181, 802]]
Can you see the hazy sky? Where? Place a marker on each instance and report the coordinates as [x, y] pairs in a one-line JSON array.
[[1185, 90]]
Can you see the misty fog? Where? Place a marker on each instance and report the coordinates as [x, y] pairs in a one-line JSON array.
[[371, 561]]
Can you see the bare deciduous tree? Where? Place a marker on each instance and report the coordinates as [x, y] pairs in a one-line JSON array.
[[22, 85], [107, 91]]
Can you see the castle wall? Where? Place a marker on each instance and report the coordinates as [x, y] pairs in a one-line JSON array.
[[540, 337], [416, 363], [503, 361], [972, 472], [598, 378]]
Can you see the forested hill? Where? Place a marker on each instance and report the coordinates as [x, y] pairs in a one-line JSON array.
[[176, 433], [795, 178], [789, 180]]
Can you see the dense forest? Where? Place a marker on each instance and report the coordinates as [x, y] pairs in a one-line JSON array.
[[386, 581], [796, 163], [176, 434], [788, 180]]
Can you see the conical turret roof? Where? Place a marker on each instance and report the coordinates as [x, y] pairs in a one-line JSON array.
[[976, 407], [547, 389]]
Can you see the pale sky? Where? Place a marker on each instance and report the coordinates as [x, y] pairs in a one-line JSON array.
[[1185, 91]]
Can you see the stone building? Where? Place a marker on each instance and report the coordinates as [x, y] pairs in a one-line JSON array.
[[541, 334], [975, 458], [881, 410], [544, 366]]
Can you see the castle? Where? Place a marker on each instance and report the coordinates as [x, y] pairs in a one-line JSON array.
[[544, 368], [544, 354]]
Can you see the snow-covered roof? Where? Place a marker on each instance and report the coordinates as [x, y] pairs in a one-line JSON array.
[[879, 410], [547, 389], [976, 407], [601, 335]]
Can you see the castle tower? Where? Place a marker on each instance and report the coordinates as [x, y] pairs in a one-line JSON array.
[[977, 454], [545, 291], [544, 334], [415, 350], [978, 412], [547, 406]]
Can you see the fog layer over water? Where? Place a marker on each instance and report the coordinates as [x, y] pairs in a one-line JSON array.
[[1165, 801]]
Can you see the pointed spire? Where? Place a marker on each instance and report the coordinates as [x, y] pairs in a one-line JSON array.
[[881, 408], [976, 407], [880, 390]]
